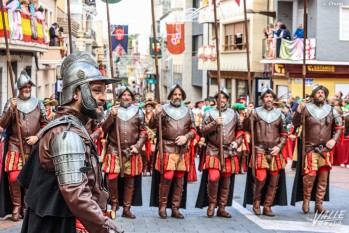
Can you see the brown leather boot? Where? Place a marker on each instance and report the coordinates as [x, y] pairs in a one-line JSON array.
[[308, 182], [15, 191], [151, 163], [257, 191], [128, 195], [114, 194], [270, 195], [165, 186], [223, 197], [145, 163], [212, 190], [320, 191], [177, 197]]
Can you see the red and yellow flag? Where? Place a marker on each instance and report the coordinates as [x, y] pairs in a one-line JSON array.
[[175, 38]]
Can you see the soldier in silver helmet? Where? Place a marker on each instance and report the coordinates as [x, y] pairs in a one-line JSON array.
[[32, 116], [217, 179], [66, 193], [323, 129], [133, 135], [178, 129], [266, 175]]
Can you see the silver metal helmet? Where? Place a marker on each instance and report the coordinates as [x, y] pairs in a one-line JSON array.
[[224, 91], [173, 88], [268, 90], [122, 89], [318, 88], [78, 69], [23, 80]]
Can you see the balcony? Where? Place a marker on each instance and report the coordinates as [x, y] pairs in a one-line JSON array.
[[22, 38], [289, 50], [52, 57]]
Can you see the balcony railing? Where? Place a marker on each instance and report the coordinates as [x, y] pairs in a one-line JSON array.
[[30, 30], [274, 48]]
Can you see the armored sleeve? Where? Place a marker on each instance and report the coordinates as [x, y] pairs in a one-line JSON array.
[[208, 125], [43, 115], [68, 154], [154, 119], [7, 115], [338, 125]]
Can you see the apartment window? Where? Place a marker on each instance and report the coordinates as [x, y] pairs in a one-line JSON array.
[[234, 37], [344, 23], [197, 42]]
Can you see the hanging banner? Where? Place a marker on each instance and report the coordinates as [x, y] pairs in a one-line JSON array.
[[293, 50], [119, 36], [152, 47], [175, 38]]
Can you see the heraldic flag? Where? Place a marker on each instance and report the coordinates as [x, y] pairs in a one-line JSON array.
[[152, 47], [175, 38], [119, 36]]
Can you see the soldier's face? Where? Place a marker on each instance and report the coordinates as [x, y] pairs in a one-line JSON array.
[[319, 97], [126, 99], [98, 89], [176, 97], [268, 100], [224, 101], [25, 92]]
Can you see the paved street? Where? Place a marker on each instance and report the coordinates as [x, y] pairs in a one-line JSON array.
[[288, 219]]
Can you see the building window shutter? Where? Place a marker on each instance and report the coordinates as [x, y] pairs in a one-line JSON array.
[[344, 23]]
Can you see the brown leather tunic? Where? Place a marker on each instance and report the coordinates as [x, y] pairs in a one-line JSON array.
[[318, 131], [267, 134], [30, 125], [85, 200], [210, 128], [132, 132], [172, 128]]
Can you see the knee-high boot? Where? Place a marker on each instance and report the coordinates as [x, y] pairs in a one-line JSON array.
[[165, 186], [308, 182], [177, 197], [212, 190], [128, 196], [15, 190], [223, 197], [257, 192], [270, 195], [114, 194], [321, 191]]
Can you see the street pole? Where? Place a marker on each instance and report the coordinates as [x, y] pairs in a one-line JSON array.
[[110, 50], [69, 29], [249, 80], [157, 86], [305, 22], [219, 85], [21, 149]]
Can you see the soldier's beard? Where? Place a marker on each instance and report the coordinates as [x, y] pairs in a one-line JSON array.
[[223, 106], [319, 102], [95, 113], [268, 105], [125, 104], [176, 102]]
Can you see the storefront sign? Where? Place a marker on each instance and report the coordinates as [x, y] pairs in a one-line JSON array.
[[320, 68], [279, 70]]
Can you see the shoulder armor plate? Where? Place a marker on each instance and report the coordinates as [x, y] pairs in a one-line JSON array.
[[68, 155], [175, 113], [228, 115], [268, 116], [126, 114], [319, 112], [27, 106]]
